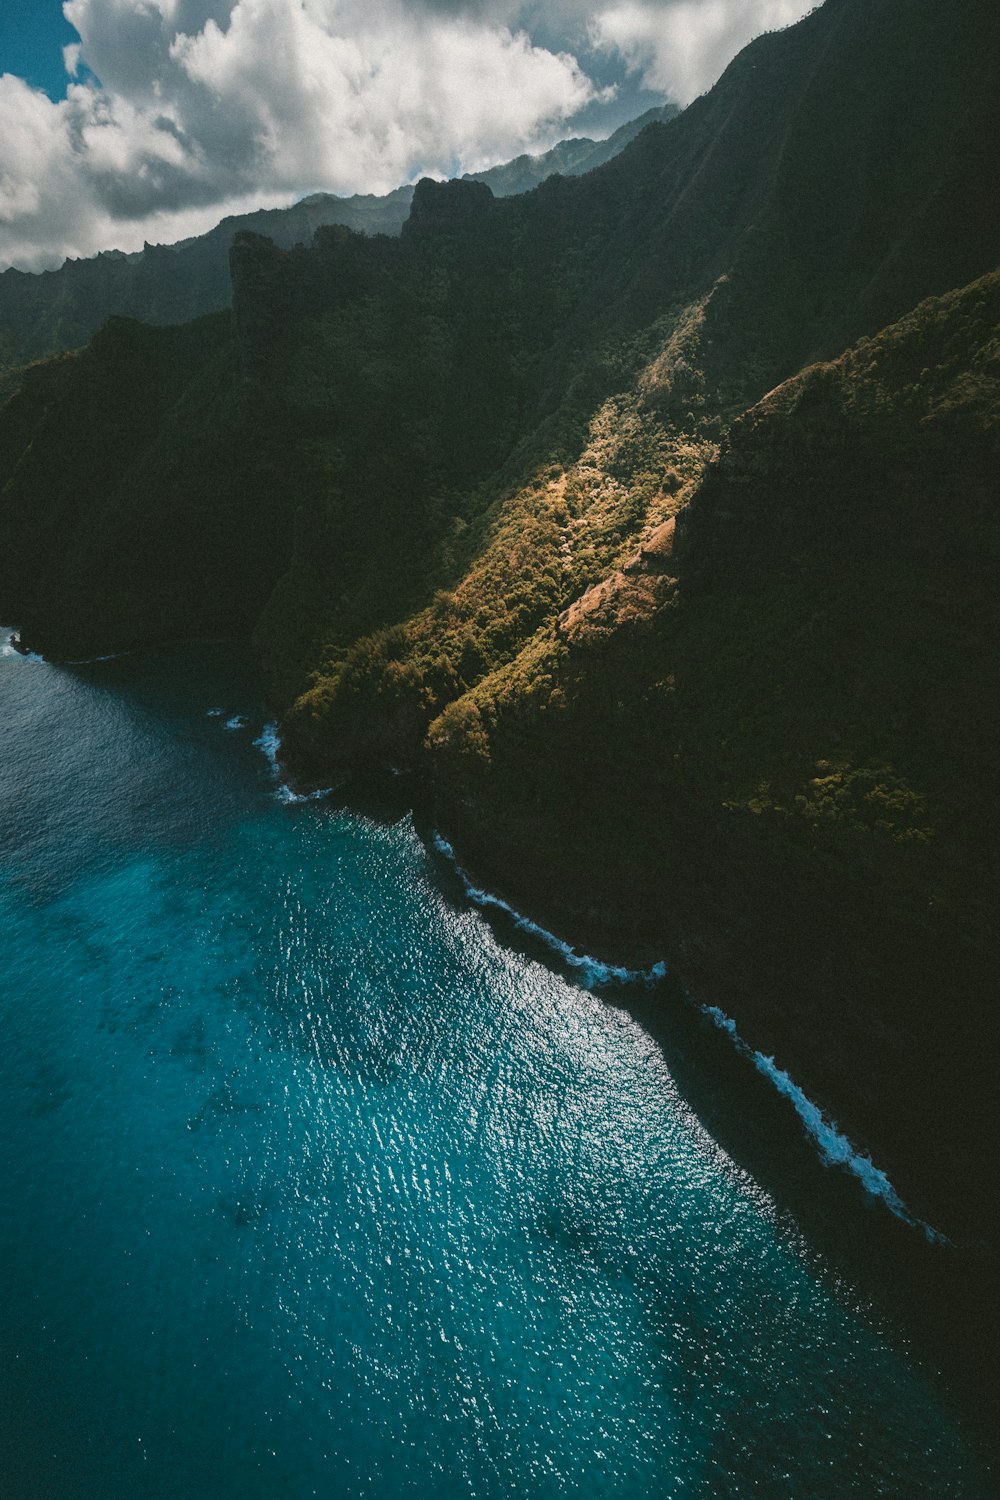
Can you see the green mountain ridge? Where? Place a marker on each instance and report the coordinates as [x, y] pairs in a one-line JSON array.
[[688, 636], [43, 314]]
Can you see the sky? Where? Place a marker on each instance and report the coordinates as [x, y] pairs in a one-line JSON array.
[[123, 121]]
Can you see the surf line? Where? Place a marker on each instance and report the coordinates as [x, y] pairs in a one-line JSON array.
[[833, 1147], [11, 646], [592, 971], [269, 741]]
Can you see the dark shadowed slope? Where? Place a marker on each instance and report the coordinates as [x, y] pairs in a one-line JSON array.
[[43, 314], [769, 736]]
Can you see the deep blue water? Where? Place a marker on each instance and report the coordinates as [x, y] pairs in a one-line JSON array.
[[312, 1184]]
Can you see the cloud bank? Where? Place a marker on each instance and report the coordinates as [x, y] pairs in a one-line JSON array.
[[178, 111], [681, 47]]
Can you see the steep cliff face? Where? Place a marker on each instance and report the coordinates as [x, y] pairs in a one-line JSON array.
[[162, 284], [141, 501], [43, 314], [570, 158], [658, 297], [407, 389], [769, 740], [877, 197]]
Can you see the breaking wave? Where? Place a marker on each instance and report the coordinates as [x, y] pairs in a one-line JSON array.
[[592, 972], [269, 741], [10, 647], [834, 1147], [90, 661]]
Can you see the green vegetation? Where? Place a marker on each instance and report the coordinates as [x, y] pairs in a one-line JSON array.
[[570, 158], [782, 751], [519, 563], [44, 314], [140, 498], [162, 284]]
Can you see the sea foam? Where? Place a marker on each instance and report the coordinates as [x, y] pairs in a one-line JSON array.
[[269, 741], [11, 648], [90, 661], [593, 973], [833, 1146]]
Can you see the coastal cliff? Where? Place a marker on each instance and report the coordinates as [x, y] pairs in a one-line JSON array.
[[765, 743]]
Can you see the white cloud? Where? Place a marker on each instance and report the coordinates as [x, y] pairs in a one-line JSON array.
[[361, 97], [190, 109], [680, 47], [89, 173], [178, 111]]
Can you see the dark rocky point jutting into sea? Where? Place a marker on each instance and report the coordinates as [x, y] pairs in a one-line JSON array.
[[498, 848]]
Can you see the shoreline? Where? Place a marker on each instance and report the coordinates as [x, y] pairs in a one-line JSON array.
[[833, 1148], [851, 1064], [944, 1292], [587, 938], [591, 941]]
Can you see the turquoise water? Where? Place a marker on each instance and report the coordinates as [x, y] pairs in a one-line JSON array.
[[315, 1184]]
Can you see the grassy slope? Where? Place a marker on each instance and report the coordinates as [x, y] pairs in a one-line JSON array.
[[770, 741], [671, 289], [398, 394]]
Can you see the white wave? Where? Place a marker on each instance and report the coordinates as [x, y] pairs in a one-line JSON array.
[[726, 1023], [269, 741], [11, 650], [285, 793], [238, 721], [593, 973], [214, 713], [10, 646], [90, 661], [834, 1147]]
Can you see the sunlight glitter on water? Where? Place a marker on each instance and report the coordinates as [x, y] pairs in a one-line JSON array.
[[313, 1184]]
